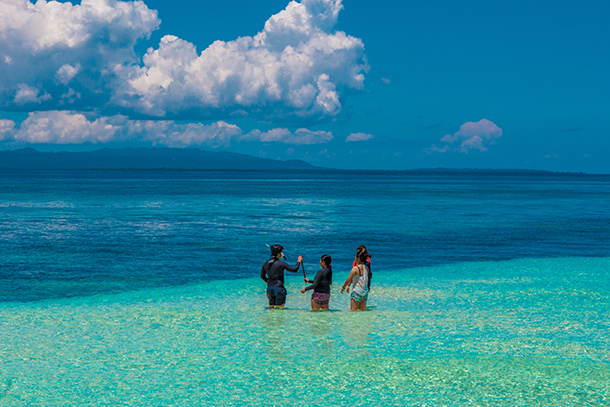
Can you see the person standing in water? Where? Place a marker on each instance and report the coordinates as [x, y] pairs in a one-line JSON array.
[[272, 273], [320, 285], [362, 248], [359, 276]]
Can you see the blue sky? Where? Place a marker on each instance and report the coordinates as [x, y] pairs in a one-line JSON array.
[[352, 84]]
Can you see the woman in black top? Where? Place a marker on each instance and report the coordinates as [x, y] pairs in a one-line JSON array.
[[320, 285]]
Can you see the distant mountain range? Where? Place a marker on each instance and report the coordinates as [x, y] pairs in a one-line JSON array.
[[195, 159], [142, 158]]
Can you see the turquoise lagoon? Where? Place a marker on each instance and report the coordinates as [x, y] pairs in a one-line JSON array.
[[486, 333]]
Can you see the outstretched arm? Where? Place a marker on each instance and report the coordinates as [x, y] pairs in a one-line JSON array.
[[349, 279], [295, 268]]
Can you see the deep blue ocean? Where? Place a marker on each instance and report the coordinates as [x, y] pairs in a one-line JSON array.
[[77, 233], [142, 288]]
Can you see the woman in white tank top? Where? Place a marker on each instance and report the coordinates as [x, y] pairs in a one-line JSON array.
[[359, 278]]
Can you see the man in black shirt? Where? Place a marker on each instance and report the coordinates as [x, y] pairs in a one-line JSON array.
[[272, 273]]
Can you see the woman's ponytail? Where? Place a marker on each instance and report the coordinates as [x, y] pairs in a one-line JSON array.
[[363, 256], [327, 260]]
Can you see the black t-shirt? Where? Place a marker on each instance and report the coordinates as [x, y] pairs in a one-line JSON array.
[[272, 272], [322, 281]]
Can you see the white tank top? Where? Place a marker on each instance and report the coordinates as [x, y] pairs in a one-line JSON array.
[[361, 283]]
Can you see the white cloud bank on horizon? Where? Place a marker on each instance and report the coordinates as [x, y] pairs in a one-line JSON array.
[[471, 136], [64, 56], [300, 136], [63, 127], [359, 137]]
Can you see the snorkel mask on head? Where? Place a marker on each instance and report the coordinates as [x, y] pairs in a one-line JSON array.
[[277, 249]]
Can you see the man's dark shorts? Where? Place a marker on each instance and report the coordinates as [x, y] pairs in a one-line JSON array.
[[276, 295]]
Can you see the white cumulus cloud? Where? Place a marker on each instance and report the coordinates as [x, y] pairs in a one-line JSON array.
[[64, 127], [300, 136], [471, 136], [297, 66], [359, 137], [60, 127], [170, 134], [6, 128], [47, 45], [68, 127], [67, 72], [50, 25], [81, 56], [29, 95]]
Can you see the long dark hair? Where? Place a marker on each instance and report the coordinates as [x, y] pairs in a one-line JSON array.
[[361, 251], [327, 260], [365, 256]]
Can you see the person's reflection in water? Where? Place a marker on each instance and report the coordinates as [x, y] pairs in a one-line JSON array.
[[321, 327], [274, 333], [358, 328]]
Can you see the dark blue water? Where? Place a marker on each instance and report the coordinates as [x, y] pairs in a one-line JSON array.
[[79, 233]]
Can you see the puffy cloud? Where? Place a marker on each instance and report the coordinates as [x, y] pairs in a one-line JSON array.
[[359, 137], [29, 95], [43, 26], [6, 128], [65, 127], [67, 72], [65, 56], [298, 21], [300, 136], [171, 134], [46, 46], [295, 67], [471, 136]]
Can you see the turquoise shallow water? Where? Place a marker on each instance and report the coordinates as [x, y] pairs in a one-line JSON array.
[[521, 332]]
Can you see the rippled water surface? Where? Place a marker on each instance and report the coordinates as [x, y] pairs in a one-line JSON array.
[[141, 288], [81, 233], [486, 333]]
